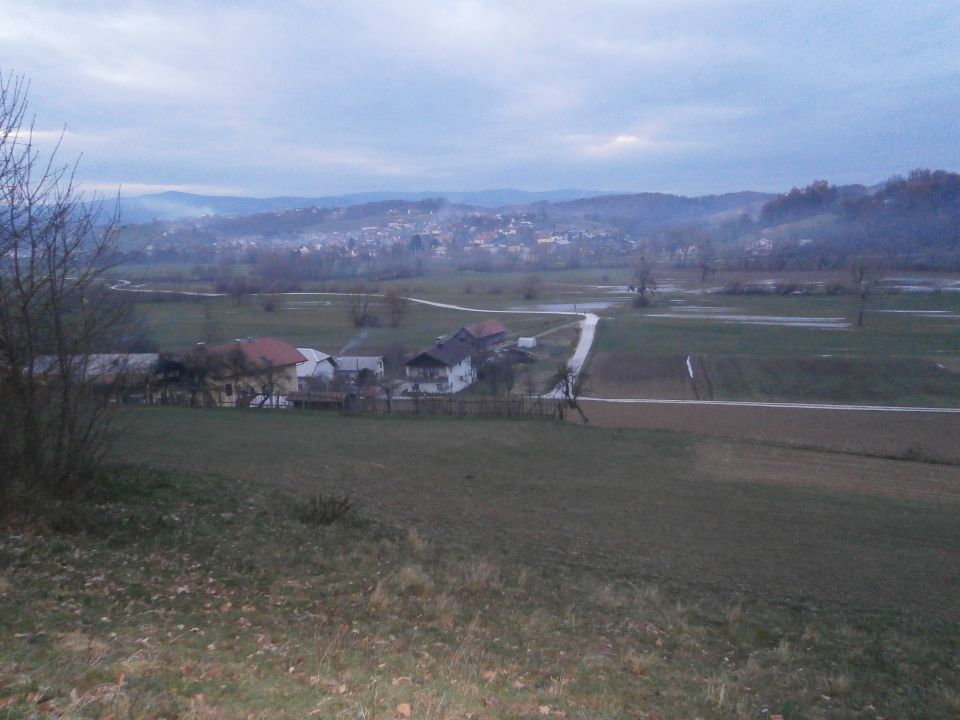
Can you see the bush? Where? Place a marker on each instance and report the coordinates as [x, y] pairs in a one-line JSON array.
[[326, 510]]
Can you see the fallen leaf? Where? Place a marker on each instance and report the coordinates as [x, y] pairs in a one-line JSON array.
[[489, 675], [404, 710], [544, 709]]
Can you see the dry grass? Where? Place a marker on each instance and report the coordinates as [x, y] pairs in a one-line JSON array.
[[199, 595]]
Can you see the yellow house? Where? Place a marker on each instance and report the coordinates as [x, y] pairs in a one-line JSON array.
[[231, 374]]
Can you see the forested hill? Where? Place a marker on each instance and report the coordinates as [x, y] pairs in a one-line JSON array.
[[646, 211], [917, 213]]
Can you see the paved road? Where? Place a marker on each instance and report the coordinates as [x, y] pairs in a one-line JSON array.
[[588, 328], [588, 325], [801, 406]]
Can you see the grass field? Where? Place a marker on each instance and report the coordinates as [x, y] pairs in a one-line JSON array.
[[314, 321], [806, 348], [539, 490], [906, 354], [494, 569]]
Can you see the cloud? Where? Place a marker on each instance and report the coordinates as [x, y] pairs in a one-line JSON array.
[[307, 98]]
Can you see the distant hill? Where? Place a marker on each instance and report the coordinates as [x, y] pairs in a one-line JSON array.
[[916, 214], [645, 211], [174, 205]]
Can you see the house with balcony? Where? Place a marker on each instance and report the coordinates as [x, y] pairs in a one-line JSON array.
[[444, 368]]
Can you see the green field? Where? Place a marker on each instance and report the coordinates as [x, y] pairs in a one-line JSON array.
[[319, 321], [490, 569], [886, 334], [908, 352]]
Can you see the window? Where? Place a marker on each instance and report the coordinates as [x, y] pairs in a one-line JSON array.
[[228, 389]]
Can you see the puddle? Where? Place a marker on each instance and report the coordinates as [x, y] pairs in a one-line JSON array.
[[702, 309], [907, 284], [564, 307], [818, 323], [924, 313]]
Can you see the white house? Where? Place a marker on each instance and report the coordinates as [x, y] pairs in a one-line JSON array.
[[444, 368], [319, 365], [350, 366], [526, 342]]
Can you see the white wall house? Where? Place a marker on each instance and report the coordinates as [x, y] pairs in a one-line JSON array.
[[319, 365], [350, 366], [443, 369]]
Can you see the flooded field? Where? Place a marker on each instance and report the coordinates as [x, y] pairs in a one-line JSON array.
[[728, 315]]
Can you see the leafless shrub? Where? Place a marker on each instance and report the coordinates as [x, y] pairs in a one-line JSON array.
[[55, 310]]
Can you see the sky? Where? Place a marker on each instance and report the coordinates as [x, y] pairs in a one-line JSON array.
[[320, 98]]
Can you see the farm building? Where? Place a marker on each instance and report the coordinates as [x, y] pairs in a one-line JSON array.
[[123, 376], [482, 334], [355, 367], [319, 366], [444, 368], [229, 374]]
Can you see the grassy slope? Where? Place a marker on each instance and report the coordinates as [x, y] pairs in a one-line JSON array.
[[201, 594], [189, 596]]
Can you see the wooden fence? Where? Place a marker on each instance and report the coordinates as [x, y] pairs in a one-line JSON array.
[[429, 406]]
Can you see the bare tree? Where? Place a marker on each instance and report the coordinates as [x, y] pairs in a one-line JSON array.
[[55, 310], [706, 257], [644, 281], [570, 384], [531, 286], [864, 275], [396, 306], [362, 308], [211, 326]]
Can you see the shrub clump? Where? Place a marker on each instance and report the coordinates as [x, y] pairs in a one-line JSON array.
[[322, 509]]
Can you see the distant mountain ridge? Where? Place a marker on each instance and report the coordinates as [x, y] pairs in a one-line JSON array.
[[173, 205]]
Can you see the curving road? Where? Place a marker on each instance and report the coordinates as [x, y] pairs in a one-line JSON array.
[[588, 325]]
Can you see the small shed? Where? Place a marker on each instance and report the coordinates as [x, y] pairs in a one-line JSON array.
[[526, 342]]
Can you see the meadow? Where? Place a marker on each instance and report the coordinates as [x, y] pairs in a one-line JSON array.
[[484, 569], [320, 321], [794, 347]]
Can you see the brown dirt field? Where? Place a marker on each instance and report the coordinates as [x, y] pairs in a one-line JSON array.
[[873, 433], [640, 375], [834, 472]]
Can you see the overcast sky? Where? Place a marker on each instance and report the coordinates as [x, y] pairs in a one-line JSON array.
[[311, 98]]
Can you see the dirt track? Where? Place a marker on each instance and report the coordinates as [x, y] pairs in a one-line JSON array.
[[875, 433]]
